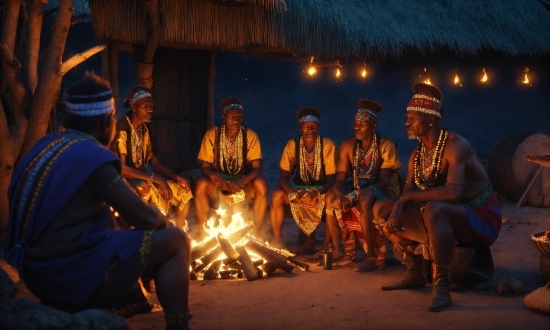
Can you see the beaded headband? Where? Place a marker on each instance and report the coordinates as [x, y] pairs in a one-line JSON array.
[[425, 104], [138, 96], [235, 106], [363, 113], [91, 105], [309, 118]]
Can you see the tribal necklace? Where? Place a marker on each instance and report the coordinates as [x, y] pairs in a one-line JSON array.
[[364, 161], [310, 162], [428, 164], [232, 161], [136, 143]]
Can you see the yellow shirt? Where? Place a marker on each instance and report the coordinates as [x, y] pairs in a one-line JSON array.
[[288, 159], [120, 144], [208, 145]]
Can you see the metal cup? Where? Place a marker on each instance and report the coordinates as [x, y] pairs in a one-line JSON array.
[[327, 260]]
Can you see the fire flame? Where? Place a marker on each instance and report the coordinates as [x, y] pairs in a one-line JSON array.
[[484, 79], [427, 81], [338, 73], [364, 73], [311, 70]]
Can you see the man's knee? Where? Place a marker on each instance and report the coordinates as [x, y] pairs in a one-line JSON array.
[[330, 196], [172, 238], [433, 210], [202, 187], [260, 186], [278, 198], [366, 199]]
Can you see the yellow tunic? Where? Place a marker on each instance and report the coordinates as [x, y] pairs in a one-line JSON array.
[[288, 159], [208, 145]]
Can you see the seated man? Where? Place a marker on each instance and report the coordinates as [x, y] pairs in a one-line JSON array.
[[372, 161], [447, 198], [231, 159], [133, 146], [310, 158], [60, 234]]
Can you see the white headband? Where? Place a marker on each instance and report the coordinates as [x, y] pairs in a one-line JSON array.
[[309, 118], [139, 95]]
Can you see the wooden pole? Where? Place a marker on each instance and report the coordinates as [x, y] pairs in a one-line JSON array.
[[529, 186]]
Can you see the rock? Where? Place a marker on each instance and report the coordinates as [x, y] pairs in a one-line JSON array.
[[98, 319], [27, 314], [510, 283], [7, 287], [539, 299]]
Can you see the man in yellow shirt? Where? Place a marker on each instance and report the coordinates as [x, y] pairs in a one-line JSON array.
[[372, 162], [162, 188], [310, 158], [231, 159]]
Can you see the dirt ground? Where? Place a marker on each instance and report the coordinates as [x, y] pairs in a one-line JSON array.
[[345, 299]]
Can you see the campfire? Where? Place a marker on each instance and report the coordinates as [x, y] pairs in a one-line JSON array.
[[229, 251]]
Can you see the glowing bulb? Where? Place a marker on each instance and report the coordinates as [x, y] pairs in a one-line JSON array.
[[338, 73], [311, 71], [364, 73], [484, 79], [526, 78], [457, 80]]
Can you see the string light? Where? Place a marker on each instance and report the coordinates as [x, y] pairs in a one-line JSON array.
[[457, 79], [311, 69], [526, 77], [484, 79]]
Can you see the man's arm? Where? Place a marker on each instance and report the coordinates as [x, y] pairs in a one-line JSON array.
[[161, 169], [254, 173], [125, 201], [284, 182]]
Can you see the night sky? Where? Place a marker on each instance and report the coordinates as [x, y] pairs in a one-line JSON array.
[[272, 91]]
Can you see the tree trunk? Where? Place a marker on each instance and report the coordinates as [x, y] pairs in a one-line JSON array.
[[36, 14], [47, 92]]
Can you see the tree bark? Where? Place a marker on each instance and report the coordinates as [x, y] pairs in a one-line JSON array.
[[32, 49], [144, 70], [47, 92]]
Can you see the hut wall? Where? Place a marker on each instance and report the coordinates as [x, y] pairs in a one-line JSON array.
[[180, 93]]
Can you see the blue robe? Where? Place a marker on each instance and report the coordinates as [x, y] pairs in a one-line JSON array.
[[42, 185]]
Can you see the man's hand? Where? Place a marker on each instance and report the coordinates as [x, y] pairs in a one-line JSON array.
[[164, 189], [341, 203], [395, 221], [183, 182], [233, 187], [306, 196]]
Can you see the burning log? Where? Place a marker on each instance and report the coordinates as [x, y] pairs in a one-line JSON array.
[[228, 249], [289, 256], [270, 255], [207, 259], [206, 247], [249, 269], [210, 273]]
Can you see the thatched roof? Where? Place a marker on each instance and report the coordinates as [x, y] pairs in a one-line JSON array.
[[335, 28]]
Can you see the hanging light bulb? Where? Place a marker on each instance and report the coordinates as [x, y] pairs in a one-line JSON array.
[[311, 69], [457, 79], [526, 77], [484, 79], [338, 73], [364, 73], [427, 81]]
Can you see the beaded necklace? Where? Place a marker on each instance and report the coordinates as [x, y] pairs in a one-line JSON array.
[[367, 158], [425, 176], [231, 152], [310, 163], [136, 143]]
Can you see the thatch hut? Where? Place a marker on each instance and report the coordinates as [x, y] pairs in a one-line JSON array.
[[184, 35]]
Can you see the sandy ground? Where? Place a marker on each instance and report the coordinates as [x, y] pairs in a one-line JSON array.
[[344, 299]]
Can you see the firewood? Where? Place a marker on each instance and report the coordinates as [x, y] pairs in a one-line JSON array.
[[283, 252], [210, 273], [301, 265], [270, 267], [239, 234], [207, 259], [204, 248], [228, 249], [249, 270], [270, 255]]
